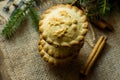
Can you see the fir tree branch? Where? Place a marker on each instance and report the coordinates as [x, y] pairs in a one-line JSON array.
[[95, 9], [15, 20], [35, 18], [103, 6], [13, 24]]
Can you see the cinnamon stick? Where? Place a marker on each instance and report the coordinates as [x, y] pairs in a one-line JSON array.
[[102, 24], [93, 55]]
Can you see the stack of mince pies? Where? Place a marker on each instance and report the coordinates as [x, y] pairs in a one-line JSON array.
[[62, 31]]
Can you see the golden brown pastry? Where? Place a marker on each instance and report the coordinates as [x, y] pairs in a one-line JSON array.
[[53, 60], [62, 31], [58, 52], [63, 25]]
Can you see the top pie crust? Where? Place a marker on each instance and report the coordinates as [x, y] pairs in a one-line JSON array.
[[63, 25]]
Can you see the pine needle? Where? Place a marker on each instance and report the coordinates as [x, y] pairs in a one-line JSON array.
[[13, 24], [15, 19], [103, 6], [34, 17], [95, 9]]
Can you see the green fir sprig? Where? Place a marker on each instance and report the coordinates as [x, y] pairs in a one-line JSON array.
[[13, 24], [17, 17], [95, 9], [34, 17], [103, 6]]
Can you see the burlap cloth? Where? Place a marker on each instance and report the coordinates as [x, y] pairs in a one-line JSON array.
[[20, 59]]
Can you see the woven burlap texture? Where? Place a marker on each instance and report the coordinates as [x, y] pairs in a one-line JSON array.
[[20, 59]]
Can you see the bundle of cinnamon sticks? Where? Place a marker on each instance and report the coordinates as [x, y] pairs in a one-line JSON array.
[[93, 55]]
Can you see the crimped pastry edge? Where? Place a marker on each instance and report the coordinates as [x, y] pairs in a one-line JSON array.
[[54, 61], [43, 44], [84, 28]]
